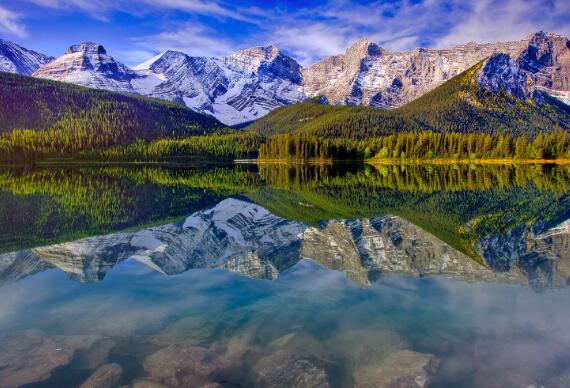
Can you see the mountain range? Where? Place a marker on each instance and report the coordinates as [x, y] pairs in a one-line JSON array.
[[249, 84]]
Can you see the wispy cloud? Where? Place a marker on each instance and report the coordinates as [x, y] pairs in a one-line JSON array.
[[135, 57], [102, 8], [492, 20], [311, 41], [193, 38], [312, 32], [10, 22]]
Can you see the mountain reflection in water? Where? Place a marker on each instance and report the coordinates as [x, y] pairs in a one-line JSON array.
[[243, 237], [281, 275]]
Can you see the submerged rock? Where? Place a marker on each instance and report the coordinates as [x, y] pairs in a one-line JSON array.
[[286, 369], [300, 343], [108, 376], [95, 355], [145, 383], [196, 330], [31, 356], [402, 369], [241, 345], [360, 347], [500, 378], [184, 365]]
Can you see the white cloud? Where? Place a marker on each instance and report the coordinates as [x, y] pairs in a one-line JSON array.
[[193, 39], [10, 22], [134, 57], [313, 40], [396, 26], [492, 20], [202, 7]]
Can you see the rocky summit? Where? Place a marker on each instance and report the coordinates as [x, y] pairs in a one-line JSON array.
[[247, 85], [88, 64]]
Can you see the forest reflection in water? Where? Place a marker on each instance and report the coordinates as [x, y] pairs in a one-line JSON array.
[[285, 275]]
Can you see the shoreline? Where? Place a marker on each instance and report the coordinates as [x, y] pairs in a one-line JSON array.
[[468, 161], [405, 161], [197, 162]]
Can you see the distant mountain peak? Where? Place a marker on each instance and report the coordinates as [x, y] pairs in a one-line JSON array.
[[544, 35], [267, 52], [165, 56], [253, 58], [88, 64], [86, 48], [369, 75], [364, 47], [500, 72]]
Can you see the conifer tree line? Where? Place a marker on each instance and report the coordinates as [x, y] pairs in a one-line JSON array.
[[419, 145], [30, 146]]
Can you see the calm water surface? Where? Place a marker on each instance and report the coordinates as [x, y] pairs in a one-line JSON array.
[[278, 275]]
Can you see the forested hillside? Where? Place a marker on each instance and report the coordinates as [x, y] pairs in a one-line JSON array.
[[459, 105], [40, 116], [42, 119]]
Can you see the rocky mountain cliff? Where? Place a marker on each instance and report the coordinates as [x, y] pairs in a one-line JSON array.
[[88, 64], [241, 236], [235, 89], [252, 82], [18, 60], [369, 75]]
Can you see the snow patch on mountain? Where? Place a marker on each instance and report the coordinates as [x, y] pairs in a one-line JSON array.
[[238, 88], [19, 60], [88, 64]]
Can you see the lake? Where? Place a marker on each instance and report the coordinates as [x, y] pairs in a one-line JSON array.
[[278, 275]]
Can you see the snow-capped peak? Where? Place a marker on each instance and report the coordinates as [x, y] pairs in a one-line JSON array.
[[19, 60], [165, 56], [89, 64], [235, 89]]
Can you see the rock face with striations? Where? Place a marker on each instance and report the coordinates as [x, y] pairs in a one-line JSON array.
[[369, 75], [88, 64], [18, 265], [19, 60], [235, 89]]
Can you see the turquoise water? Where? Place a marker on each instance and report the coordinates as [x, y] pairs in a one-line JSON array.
[[314, 277]]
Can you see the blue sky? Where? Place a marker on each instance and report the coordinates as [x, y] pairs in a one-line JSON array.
[[134, 30]]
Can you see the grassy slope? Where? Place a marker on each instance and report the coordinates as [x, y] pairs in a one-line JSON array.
[[458, 105], [36, 104]]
